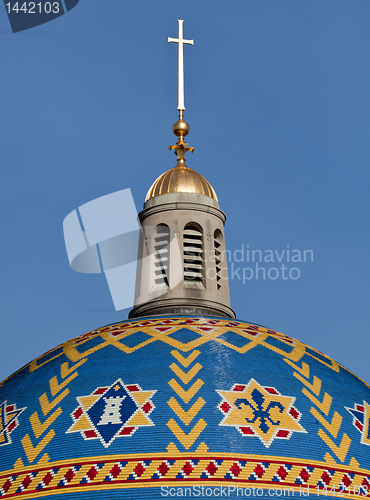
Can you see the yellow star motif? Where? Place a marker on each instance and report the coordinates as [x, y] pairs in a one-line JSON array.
[[116, 388], [257, 411]]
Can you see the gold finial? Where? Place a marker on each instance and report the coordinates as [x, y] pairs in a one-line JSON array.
[[181, 129]]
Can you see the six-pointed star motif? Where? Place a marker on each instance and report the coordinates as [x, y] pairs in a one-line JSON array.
[[260, 411]]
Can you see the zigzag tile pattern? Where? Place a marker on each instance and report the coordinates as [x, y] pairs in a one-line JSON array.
[[174, 471], [162, 330]]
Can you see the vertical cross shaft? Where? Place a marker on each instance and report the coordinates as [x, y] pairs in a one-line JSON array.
[[180, 40]]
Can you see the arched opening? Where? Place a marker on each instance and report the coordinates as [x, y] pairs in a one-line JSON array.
[[217, 243], [162, 255], [193, 253]]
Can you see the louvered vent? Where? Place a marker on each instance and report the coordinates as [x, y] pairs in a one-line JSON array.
[[217, 246], [193, 255], [162, 255]]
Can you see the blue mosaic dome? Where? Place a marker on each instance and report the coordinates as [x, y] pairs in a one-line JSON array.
[[185, 407]]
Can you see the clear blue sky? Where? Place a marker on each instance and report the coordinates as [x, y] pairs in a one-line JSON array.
[[278, 98]]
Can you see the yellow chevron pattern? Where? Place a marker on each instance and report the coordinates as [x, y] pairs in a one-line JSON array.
[[315, 387], [186, 395], [332, 427], [31, 450], [47, 406], [55, 387], [185, 361], [185, 377], [38, 427], [186, 439], [342, 449], [323, 405], [186, 416], [339, 450]]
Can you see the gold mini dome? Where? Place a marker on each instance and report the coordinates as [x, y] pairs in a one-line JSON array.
[[181, 179]]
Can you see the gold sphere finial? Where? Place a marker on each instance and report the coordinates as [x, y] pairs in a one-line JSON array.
[[180, 128]]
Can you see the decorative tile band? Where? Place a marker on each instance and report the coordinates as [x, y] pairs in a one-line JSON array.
[[56, 479], [133, 335]]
